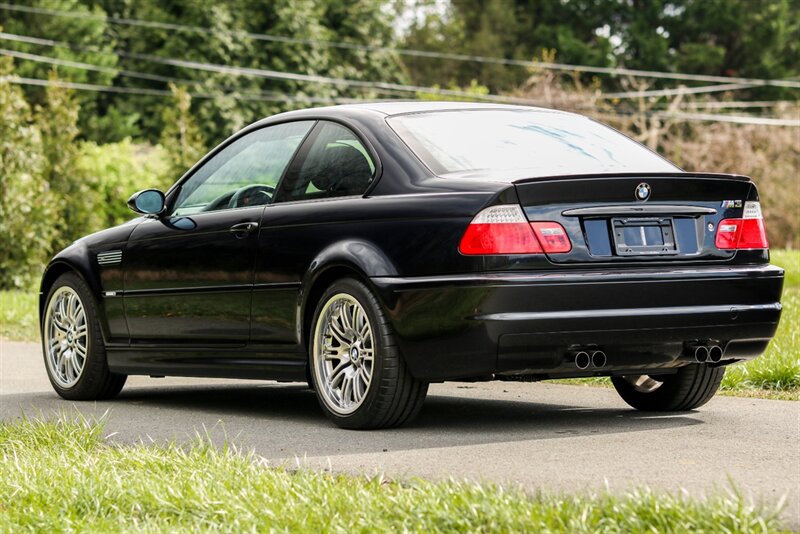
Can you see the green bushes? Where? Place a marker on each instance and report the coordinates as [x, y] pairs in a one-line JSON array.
[[24, 193], [115, 171], [54, 188]]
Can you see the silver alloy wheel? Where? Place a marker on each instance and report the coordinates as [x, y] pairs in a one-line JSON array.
[[66, 337], [643, 383], [344, 354]]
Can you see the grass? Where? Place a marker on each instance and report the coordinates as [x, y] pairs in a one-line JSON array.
[[19, 318], [61, 476], [776, 374]]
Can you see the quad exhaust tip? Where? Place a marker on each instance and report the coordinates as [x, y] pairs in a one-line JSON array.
[[585, 359], [714, 354], [708, 354], [599, 358], [582, 359], [701, 354]]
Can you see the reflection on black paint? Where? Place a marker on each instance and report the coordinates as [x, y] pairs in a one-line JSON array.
[[181, 223]]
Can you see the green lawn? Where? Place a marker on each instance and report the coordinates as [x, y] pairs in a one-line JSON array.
[[776, 374], [779, 368], [19, 318], [61, 476]]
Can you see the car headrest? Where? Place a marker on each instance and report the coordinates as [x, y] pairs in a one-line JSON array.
[[344, 170]]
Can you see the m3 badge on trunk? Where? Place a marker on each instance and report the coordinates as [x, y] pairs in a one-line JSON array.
[[642, 191]]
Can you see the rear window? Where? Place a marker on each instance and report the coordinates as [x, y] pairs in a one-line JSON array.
[[512, 144]]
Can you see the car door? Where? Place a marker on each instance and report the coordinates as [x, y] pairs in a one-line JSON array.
[[314, 207], [189, 274]]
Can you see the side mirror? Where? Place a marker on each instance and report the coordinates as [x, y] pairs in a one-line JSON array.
[[147, 202]]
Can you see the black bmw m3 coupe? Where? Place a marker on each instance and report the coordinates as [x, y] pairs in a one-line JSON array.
[[371, 249]]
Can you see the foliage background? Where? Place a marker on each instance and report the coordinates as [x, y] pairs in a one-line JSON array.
[[70, 158]]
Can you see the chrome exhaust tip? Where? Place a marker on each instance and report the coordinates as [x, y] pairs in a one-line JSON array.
[[599, 358], [715, 354], [701, 354], [582, 360]]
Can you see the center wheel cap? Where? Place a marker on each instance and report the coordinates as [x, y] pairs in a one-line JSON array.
[[354, 354]]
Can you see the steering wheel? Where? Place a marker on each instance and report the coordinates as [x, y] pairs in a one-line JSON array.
[[245, 195]]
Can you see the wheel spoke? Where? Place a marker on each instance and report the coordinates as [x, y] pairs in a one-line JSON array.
[[363, 374], [338, 333], [344, 316], [347, 390], [359, 387], [354, 317], [81, 330], [80, 350], [337, 374]]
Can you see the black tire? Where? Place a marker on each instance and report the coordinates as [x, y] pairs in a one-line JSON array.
[[691, 387], [394, 397], [95, 382]]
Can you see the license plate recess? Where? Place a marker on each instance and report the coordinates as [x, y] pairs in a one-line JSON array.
[[644, 236]]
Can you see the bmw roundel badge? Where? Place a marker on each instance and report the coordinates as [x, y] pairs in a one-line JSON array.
[[642, 191]]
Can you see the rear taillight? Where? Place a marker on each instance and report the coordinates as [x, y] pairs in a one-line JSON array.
[[506, 230], [552, 237], [745, 233]]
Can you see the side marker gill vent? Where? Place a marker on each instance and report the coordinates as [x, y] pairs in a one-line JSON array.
[[109, 257]]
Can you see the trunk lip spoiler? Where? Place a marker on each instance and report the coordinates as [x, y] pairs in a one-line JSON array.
[[638, 210], [639, 175]]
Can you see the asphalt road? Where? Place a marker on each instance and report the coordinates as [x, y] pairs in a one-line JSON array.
[[540, 436]]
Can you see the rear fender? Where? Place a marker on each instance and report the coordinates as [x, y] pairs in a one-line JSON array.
[[357, 258]]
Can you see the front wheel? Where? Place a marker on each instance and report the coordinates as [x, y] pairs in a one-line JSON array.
[[691, 387], [357, 371], [74, 351]]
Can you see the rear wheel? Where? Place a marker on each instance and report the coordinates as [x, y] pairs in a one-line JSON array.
[[691, 387], [74, 351], [357, 371]]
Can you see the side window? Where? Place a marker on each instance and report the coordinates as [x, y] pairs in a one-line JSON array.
[[245, 173], [333, 163]]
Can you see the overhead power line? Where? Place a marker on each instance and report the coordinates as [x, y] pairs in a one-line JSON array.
[[338, 100], [269, 96], [613, 71], [714, 117], [286, 76], [677, 91], [162, 92], [381, 87]]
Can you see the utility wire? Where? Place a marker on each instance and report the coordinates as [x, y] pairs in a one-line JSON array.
[[377, 86], [248, 95], [162, 92], [680, 116], [714, 117], [286, 76], [677, 91], [612, 71]]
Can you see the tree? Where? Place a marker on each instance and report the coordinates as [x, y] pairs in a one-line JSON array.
[[26, 205], [181, 138], [750, 38], [75, 199], [92, 42]]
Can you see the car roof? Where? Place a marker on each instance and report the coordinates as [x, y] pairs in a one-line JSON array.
[[395, 107]]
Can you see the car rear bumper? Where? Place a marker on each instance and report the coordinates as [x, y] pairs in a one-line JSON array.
[[462, 326]]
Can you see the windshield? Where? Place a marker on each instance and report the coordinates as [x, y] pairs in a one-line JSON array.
[[512, 144]]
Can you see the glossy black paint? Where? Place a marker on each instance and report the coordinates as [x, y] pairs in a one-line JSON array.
[[190, 297]]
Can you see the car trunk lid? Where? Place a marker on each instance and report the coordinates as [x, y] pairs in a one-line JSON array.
[[641, 217]]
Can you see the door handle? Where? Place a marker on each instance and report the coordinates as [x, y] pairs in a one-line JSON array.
[[243, 229]]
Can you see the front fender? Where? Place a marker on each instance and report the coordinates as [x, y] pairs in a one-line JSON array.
[[75, 258]]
